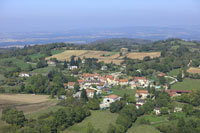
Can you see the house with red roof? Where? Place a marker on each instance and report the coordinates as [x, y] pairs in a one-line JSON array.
[[69, 85], [88, 76], [141, 82], [90, 93], [141, 94], [107, 100], [123, 82], [161, 74]]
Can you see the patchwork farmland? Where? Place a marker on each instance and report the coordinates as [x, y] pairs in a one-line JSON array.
[[104, 56]]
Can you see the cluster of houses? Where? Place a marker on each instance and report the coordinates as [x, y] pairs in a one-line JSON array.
[[96, 83], [107, 81]]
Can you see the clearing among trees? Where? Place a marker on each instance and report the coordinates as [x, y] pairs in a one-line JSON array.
[[104, 56]]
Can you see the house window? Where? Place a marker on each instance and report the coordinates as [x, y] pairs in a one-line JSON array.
[[108, 100]]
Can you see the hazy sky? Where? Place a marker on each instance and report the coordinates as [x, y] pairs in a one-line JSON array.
[[29, 15]]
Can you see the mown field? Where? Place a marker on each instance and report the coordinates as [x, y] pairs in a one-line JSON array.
[[99, 119], [187, 84], [104, 56], [26, 102], [194, 70]]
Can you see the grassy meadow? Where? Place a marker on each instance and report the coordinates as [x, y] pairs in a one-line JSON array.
[[99, 119], [187, 84]]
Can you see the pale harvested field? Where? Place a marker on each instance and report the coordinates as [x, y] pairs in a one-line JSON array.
[[26, 102], [141, 55], [117, 62], [108, 58], [194, 70], [24, 98], [66, 55]]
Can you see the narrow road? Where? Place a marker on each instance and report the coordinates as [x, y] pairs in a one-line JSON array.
[[171, 83]]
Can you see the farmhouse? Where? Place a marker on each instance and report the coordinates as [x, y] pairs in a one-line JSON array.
[[141, 94], [73, 67], [140, 102], [104, 68], [161, 74], [141, 82], [90, 93], [173, 93], [69, 85], [157, 111], [124, 51], [108, 100], [25, 75]]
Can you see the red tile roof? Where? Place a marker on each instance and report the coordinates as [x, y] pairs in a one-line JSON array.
[[113, 96], [141, 91], [140, 78], [123, 80], [90, 91], [90, 75], [71, 83], [80, 81], [179, 91], [161, 74], [110, 77]]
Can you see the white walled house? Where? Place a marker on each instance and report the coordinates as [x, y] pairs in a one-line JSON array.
[[25, 75], [108, 100], [73, 67], [157, 111]]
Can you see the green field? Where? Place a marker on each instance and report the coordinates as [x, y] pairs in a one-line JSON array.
[[53, 52], [35, 115], [121, 92], [152, 118], [99, 119], [36, 56], [20, 63], [143, 129], [175, 47], [2, 77], [44, 70], [174, 72], [187, 84]]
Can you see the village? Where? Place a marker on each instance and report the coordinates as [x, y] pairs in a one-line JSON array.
[[96, 84]]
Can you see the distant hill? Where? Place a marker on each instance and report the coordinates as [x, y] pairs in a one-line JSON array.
[[119, 41]]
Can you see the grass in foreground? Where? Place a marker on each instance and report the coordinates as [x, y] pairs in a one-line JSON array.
[[187, 84], [99, 119]]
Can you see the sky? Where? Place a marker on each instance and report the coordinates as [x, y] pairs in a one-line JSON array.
[[52, 15]]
